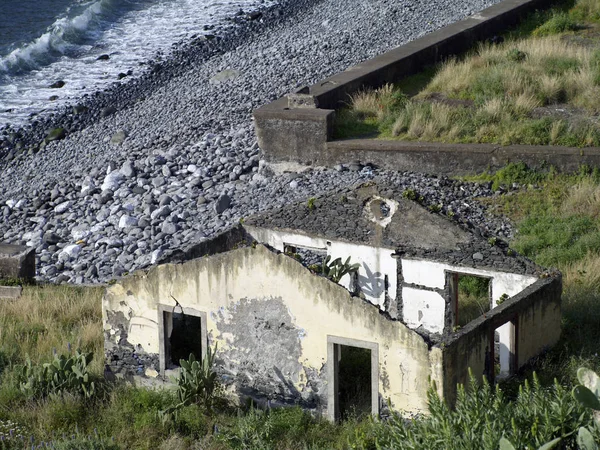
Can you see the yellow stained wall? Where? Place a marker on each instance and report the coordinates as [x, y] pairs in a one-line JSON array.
[[317, 306]]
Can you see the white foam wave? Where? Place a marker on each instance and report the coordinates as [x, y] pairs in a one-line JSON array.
[[64, 35], [134, 37]]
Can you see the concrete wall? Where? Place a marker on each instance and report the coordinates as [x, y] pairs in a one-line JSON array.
[[303, 135], [432, 274], [537, 312], [271, 319], [17, 261], [298, 135], [425, 300], [453, 159]]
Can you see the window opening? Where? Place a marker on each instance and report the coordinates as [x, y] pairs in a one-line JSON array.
[[308, 256], [182, 333], [470, 296]]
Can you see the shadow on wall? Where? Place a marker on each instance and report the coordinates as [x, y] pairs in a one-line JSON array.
[[372, 284]]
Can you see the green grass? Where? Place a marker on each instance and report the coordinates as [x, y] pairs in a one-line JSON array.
[[473, 298]]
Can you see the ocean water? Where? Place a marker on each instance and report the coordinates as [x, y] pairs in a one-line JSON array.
[[44, 41]]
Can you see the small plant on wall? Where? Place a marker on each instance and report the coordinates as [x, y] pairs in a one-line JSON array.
[[336, 269]]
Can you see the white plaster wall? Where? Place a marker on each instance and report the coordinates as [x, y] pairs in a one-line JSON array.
[[423, 308], [433, 275], [375, 265]]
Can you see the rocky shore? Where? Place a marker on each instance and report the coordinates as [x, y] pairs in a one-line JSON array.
[[170, 158]]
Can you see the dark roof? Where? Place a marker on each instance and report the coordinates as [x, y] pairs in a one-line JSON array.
[[351, 215]]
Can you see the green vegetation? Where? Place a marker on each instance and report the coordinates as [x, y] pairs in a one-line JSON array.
[[197, 384], [558, 225], [540, 87], [473, 298], [483, 415], [336, 269]]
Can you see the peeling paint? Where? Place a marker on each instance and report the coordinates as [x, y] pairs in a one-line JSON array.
[[263, 351]]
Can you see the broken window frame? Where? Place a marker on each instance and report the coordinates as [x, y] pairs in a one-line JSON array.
[[333, 358], [165, 327], [452, 281]]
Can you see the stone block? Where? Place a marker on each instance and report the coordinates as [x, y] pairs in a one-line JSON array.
[[16, 261], [298, 135], [10, 292]]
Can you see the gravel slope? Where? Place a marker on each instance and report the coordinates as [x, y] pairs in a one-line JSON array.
[[178, 159]]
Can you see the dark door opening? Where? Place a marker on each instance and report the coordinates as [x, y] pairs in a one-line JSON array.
[[185, 338], [354, 382]]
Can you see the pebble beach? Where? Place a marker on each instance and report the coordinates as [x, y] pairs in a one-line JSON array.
[[168, 157]]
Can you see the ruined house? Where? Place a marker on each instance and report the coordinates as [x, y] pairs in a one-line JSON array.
[[378, 337]]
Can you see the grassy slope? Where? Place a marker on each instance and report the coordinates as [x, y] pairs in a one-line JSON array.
[[491, 95]]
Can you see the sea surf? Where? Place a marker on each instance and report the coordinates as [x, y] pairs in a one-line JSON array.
[[52, 52]]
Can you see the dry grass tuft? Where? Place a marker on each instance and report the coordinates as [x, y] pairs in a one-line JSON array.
[[365, 103], [582, 199], [493, 109], [583, 274], [48, 318], [551, 88], [546, 68], [525, 103], [557, 129]]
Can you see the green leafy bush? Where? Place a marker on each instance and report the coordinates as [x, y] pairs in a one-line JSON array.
[[587, 393], [63, 374], [84, 443], [250, 431], [516, 55], [483, 415], [558, 23]]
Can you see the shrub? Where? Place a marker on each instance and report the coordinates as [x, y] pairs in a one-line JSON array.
[[336, 269], [482, 416], [197, 384], [587, 393], [63, 374], [84, 443], [558, 23], [516, 55], [250, 431]]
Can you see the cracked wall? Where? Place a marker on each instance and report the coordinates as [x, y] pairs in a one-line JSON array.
[[270, 318]]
